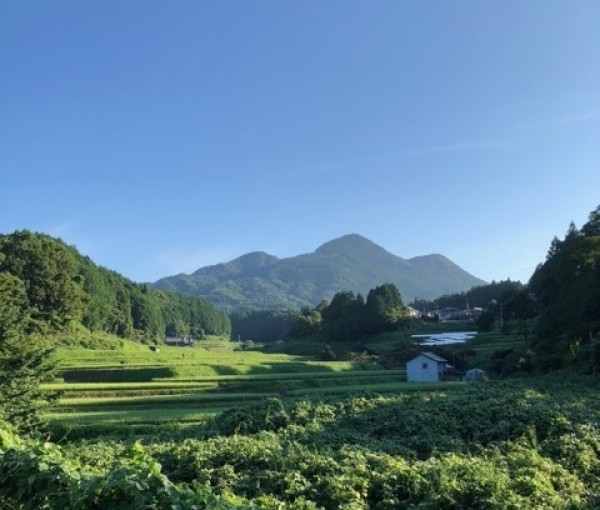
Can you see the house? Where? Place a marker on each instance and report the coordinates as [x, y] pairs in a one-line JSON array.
[[452, 313], [427, 367], [179, 341], [413, 313]]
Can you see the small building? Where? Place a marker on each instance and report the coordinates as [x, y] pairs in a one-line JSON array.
[[413, 313], [426, 367], [179, 341]]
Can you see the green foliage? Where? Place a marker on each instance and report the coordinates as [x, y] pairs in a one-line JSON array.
[[48, 270], [349, 318], [487, 321], [309, 324], [24, 364], [39, 475], [479, 296], [266, 326], [64, 289], [327, 354], [383, 309], [533, 445], [567, 287], [343, 319]]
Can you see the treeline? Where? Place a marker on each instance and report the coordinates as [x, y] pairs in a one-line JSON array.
[[266, 326], [480, 296], [349, 316], [61, 288], [557, 314], [504, 304], [567, 287]]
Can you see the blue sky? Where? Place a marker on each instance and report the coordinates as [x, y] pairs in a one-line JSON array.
[[159, 137]]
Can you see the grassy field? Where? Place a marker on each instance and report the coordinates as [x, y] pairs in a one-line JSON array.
[[129, 384], [279, 429]]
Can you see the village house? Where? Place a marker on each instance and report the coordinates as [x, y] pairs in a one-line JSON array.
[[179, 341], [429, 367], [413, 313], [426, 367]]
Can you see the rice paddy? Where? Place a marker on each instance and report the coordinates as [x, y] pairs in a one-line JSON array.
[[132, 385]]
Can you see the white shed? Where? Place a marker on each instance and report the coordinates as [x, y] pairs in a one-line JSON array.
[[426, 367]]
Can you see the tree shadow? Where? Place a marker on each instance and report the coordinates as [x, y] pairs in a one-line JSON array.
[[100, 375]]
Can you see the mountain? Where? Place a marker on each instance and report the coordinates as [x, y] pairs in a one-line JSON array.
[[261, 281]]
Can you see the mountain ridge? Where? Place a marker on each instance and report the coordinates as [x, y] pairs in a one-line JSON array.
[[258, 280]]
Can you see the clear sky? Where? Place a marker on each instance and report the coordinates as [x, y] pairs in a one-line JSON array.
[[159, 136]]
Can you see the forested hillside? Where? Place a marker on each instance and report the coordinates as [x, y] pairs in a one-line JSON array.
[[57, 289], [479, 296], [258, 281], [567, 287]]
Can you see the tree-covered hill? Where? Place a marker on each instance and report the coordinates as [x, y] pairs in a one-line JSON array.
[[350, 263], [567, 287], [479, 296], [61, 289]]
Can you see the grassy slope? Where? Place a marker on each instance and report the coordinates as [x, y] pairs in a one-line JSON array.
[[129, 384]]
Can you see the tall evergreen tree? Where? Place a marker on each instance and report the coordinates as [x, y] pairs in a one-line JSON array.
[[343, 318], [383, 310], [49, 271], [24, 364]]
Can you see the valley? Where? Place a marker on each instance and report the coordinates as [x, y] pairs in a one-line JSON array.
[[99, 411]]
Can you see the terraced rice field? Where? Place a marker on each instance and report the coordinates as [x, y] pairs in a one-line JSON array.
[[487, 343], [181, 385], [133, 385]]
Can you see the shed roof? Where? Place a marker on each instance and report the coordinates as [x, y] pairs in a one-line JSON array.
[[432, 356]]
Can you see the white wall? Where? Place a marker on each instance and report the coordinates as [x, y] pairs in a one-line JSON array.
[[415, 370]]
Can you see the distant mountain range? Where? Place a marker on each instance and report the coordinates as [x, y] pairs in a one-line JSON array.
[[258, 281]]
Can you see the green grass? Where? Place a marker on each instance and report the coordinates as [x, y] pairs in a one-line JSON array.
[[139, 355], [62, 386], [132, 416], [129, 384], [396, 387], [153, 401], [203, 381], [490, 342]]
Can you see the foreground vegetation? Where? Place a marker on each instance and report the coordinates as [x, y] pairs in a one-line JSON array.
[[533, 444], [282, 431]]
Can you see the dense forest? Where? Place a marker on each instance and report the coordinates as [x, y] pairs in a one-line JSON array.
[[349, 316], [567, 287], [58, 290], [479, 296], [557, 312], [266, 326]]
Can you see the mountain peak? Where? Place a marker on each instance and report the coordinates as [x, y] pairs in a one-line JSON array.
[[257, 257], [348, 244], [253, 260], [258, 280], [247, 263]]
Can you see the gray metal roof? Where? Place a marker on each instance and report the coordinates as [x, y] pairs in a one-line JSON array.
[[434, 357]]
